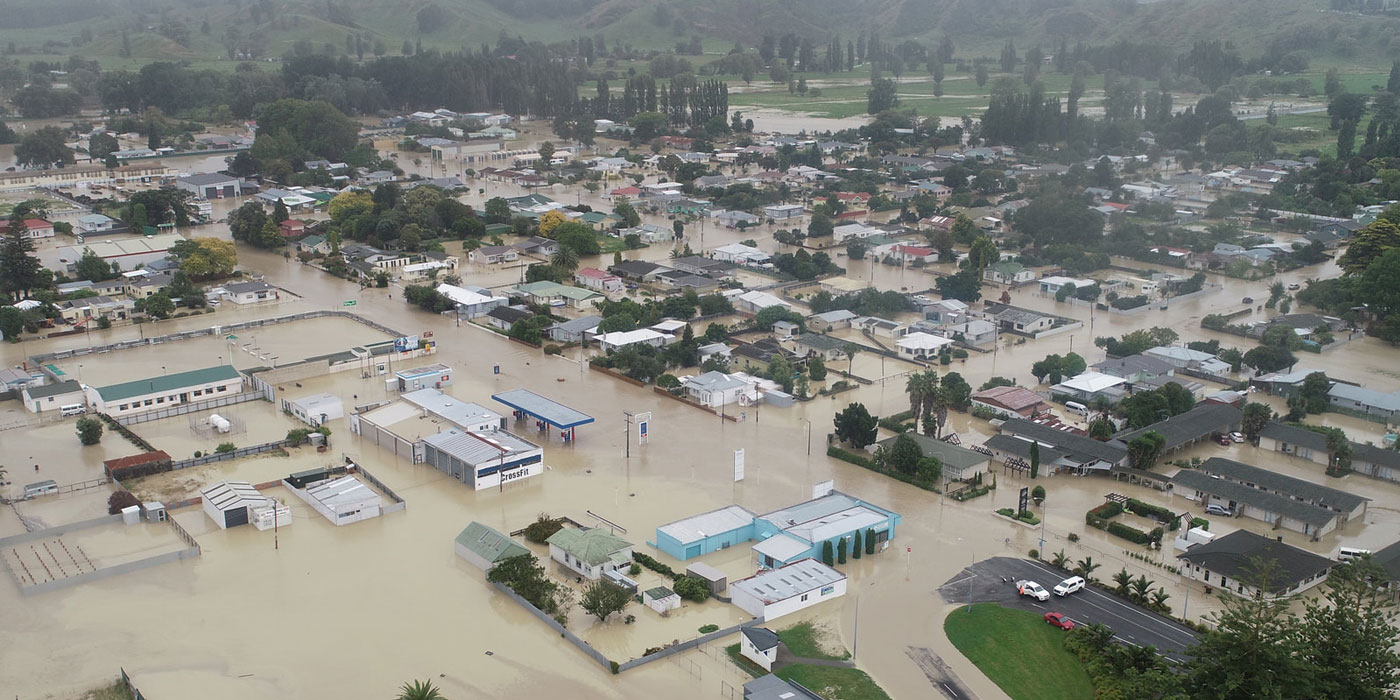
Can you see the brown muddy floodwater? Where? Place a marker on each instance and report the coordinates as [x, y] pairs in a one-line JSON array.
[[357, 610]]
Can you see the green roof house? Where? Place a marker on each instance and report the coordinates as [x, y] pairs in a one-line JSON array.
[[590, 553], [485, 547], [1008, 272]]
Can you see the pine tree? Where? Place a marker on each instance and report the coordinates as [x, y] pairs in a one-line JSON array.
[[856, 546], [827, 556], [841, 551], [870, 540], [19, 269]]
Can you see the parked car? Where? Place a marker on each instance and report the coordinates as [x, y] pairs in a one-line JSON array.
[[1247, 300], [1236, 436], [1059, 620], [1032, 589], [1217, 509], [1073, 584], [1294, 287], [1221, 438]]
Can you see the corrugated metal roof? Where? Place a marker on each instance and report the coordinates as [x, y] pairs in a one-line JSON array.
[[171, 382]]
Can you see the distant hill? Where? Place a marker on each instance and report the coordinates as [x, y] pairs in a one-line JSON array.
[[174, 29]]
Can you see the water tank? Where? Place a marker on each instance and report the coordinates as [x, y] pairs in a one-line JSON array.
[[219, 422]]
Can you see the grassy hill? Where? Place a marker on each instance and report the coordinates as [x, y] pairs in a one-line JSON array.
[[978, 27]]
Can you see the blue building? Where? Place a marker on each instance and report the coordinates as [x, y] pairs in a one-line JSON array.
[[783, 536]]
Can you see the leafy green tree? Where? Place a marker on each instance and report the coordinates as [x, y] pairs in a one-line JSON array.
[[11, 323], [603, 598], [828, 554], [1368, 245], [43, 148], [841, 551], [1035, 459], [628, 214], [816, 369], [577, 236], [881, 97], [856, 426], [1381, 283], [89, 430], [1348, 639], [91, 267], [157, 305], [19, 268], [1144, 449], [1254, 417], [903, 456], [982, 253]]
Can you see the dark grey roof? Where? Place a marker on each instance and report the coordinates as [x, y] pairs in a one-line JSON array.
[[207, 179], [762, 637], [821, 342], [1073, 446], [1133, 364], [771, 687], [1232, 556], [47, 390], [1263, 500], [635, 268], [1021, 448], [1194, 424], [1295, 436], [1361, 452], [509, 315], [947, 453], [1389, 559], [1251, 475]]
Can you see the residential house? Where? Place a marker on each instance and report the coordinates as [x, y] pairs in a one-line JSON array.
[[504, 317], [756, 301], [758, 354], [1023, 321], [676, 279], [1194, 426], [145, 286], [1191, 360], [250, 292], [1087, 387], [648, 233], [1008, 272], [735, 219], [783, 212], [1348, 506], [292, 228], [1295, 441], [880, 327], [844, 232], [34, 228], [1008, 401], [637, 270], [715, 389], [579, 330], [907, 254], [760, 645], [1053, 284], [314, 244], [590, 553], [921, 346], [696, 265], [831, 320], [959, 463], [471, 302], [493, 254], [80, 311], [1231, 563], [1060, 449], [740, 254], [1135, 368], [1368, 402], [642, 336], [597, 280], [1264, 506], [824, 346], [975, 333], [946, 311], [95, 223], [53, 397], [538, 245]]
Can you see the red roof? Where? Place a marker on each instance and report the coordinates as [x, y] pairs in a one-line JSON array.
[[1116, 205], [852, 196], [292, 222], [134, 460], [593, 273], [625, 192], [919, 251], [30, 224]]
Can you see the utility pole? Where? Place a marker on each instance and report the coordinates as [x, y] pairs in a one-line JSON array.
[[627, 433]]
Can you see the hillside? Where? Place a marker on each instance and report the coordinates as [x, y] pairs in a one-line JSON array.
[[176, 29]]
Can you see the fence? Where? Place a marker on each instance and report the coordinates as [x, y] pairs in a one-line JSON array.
[[131, 687], [583, 646], [687, 645], [193, 550], [192, 407], [232, 454], [398, 505]]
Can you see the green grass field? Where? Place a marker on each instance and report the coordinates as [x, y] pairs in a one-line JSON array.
[[834, 683], [809, 642], [1022, 654]]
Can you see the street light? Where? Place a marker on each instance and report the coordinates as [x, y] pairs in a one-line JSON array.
[[970, 577], [809, 436]]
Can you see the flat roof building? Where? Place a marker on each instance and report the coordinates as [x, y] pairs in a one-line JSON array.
[[341, 501], [143, 395], [315, 409], [483, 459], [776, 592], [705, 533]]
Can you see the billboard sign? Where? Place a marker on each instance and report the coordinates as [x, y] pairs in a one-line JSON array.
[[406, 343], [1025, 500], [643, 427]]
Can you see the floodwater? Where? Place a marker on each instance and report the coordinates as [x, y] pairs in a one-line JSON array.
[[264, 615]]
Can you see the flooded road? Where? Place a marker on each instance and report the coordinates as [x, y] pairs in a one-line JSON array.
[[357, 610]]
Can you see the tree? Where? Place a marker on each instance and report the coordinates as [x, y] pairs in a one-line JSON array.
[[628, 214], [982, 74], [981, 253], [1254, 417], [565, 259], [882, 96], [1313, 392], [11, 323], [205, 258], [1254, 650], [816, 369], [856, 426], [1369, 244], [841, 551], [828, 556], [1270, 358], [290, 129], [157, 305], [43, 148], [1038, 493], [1348, 641], [964, 286], [903, 456], [19, 268], [89, 430], [603, 598], [1085, 567], [419, 690], [1035, 459], [1144, 449], [1380, 286], [820, 226], [91, 267]]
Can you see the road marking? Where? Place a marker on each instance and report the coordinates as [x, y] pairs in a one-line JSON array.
[[1176, 634], [954, 582]]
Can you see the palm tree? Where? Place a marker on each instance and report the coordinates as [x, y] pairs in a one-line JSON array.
[[1159, 599], [1121, 581], [1059, 560], [917, 387], [851, 350], [1084, 567], [1140, 588], [419, 690], [565, 259]]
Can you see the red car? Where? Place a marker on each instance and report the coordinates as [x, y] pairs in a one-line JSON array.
[[1059, 620]]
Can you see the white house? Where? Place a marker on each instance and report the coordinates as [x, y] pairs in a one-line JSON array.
[[250, 292], [597, 280], [493, 254], [715, 389], [590, 553], [740, 254], [95, 223], [755, 301], [759, 645], [921, 346], [783, 212], [847, 231], [642, 336], [471, 303], [1052, 285], [1227, 563], [772, 593], [54, 397]]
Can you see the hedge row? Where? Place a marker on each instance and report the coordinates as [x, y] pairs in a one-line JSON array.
[[685, 585], [1158, 513], [851, 457]]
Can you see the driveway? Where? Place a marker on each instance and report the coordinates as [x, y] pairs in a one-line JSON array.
[[991, 581]]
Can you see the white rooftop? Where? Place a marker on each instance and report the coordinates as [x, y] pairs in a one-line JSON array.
[[465, 297], [451, 408], [922, 341], [761, 300], [1091, 382], [789, 581], [620, 338], [347, 490], [781, 547], [698, 527]]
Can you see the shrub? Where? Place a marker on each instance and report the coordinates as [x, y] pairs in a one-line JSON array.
[[121, 499], [1128, 532], [706, 629], [89, 430], [654, 565], [1148, 510], [543, 528], [225, 447], [1201, 523], [691, 588], [635, 569], [1035, 553], [553, 350], [1073, 537]]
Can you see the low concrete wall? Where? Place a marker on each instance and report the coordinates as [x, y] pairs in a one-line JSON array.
[[398, 502], [687, 645], [60, 530], [583, 646]]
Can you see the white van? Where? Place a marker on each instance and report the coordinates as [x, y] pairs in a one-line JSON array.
[[1077, 408], [1352, 553], [72, 409]]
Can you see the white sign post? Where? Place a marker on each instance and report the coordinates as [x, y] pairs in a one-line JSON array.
[[739, 464], [643, 427]]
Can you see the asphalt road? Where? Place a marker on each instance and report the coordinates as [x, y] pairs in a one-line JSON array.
[[992, 581]]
